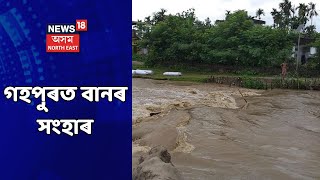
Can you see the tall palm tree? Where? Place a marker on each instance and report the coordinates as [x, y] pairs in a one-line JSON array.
[[286, 7], [274, 11], [303, 13], [227, 13], [259, 13], [312, 11], [273, 14], [277, 18], [286, 10]]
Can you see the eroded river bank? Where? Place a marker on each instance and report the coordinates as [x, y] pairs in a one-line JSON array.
[[212, 133]]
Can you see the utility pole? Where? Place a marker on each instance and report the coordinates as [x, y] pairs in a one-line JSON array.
[[298, 53], [299, 29]]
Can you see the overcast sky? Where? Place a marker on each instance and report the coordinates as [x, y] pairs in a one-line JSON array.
[[214, 9]]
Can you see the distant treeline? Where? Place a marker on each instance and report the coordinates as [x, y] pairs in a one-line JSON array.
[[182, 39]]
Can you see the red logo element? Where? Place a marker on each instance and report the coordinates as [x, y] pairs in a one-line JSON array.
[[81, 25], [63, 43]]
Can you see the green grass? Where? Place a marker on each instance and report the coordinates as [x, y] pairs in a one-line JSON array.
[[187, 75], [251, 81]]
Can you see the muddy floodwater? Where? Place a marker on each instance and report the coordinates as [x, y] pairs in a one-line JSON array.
[[214, 132]]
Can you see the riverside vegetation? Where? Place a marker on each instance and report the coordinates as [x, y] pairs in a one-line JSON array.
[[233, 47]]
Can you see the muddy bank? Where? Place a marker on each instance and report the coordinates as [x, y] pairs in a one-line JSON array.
[[156, 165], [210, 134]]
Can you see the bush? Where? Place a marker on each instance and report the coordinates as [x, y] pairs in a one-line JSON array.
[[138, 57], [253, 83]]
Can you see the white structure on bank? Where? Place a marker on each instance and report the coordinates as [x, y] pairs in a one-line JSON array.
[[172, 74], [308, 52]]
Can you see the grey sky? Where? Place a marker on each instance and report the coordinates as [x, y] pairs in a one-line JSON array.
[[214, 9]]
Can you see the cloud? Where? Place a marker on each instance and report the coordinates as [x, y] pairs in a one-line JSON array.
[[214, 9]]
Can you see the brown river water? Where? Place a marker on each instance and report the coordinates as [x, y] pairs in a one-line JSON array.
[[212, 133]]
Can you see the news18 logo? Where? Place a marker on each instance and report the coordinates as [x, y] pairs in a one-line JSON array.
[[65, 37]]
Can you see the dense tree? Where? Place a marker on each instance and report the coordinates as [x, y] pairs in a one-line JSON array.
[[182, 39]]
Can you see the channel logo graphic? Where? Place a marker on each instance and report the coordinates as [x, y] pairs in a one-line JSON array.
[[65, 38]]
